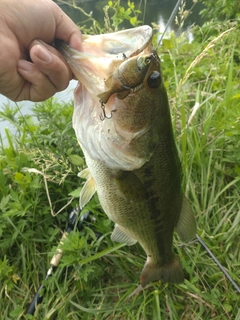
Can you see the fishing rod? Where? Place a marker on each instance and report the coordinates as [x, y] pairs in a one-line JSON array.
[[170, 20], [73, 222]]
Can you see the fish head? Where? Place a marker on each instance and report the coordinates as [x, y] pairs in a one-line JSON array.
[[118, 96], [103, 53]]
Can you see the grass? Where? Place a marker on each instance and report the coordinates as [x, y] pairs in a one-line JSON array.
[[96, 276]]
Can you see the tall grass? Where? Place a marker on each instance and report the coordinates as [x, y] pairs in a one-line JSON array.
[[39, 164]]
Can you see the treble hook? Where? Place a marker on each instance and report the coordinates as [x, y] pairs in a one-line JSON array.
[[104, 116]]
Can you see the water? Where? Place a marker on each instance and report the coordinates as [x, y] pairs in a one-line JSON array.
[[155, 11]]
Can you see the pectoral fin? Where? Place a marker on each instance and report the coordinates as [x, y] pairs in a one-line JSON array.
[[119, 236], [186, 226], [84, 174], [87, 191]]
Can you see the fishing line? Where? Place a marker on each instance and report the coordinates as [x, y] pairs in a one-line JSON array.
[[200, 296], [227, 275], [203, 281]]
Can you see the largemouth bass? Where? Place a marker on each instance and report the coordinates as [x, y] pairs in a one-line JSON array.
[[123, 124]]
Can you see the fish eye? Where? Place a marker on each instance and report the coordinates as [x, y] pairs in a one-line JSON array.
[[154, 80], [147, 60]]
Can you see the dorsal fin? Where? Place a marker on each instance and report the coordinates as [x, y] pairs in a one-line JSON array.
[[186, 226]]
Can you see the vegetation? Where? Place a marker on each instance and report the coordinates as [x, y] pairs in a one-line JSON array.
[[39, 186], [221, 9]]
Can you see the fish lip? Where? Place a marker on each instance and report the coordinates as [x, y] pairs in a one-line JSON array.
[[147, 45], [117, 45]]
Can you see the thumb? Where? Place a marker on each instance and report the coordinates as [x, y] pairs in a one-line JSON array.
[[47, 74]]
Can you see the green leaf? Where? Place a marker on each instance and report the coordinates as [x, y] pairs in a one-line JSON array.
[[133, 21], [76, 160], [75, 193], [17, 311], [102, 253]]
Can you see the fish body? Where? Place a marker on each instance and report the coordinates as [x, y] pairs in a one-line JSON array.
[[131, 156]]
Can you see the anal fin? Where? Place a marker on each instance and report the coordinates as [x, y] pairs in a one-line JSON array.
[[119, 236]]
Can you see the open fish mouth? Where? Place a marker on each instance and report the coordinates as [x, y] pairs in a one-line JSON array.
[[118, 45], [102, 54], [104, 57], [122, 44]]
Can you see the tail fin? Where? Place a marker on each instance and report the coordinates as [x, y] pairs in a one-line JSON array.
[[170, 272]]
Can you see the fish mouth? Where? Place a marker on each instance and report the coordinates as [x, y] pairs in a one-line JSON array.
[[118, 45], [102, 54], [122, 44]]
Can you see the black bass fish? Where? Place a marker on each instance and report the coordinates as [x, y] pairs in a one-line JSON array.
[[123, 124]]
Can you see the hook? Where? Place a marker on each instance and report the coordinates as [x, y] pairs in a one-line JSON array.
[[104, 116]]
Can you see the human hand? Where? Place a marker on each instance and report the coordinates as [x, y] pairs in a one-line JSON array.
[[33, 69]]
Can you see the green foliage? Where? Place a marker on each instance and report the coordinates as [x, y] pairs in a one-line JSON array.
[[39, 185], [7, 275], [220, 9], [121, 14], [114, 15], [214, 78]]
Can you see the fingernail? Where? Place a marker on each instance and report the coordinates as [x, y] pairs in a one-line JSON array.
[[25, 65], [43, 54]]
